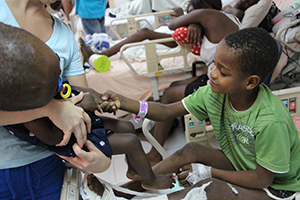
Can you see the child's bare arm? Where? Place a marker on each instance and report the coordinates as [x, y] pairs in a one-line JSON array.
[[156, 111], [258, 178], [92, 99], [45, 130]]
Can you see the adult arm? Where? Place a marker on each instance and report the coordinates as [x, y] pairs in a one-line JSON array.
[[67, 117], [48, 133], [79, 80], [67, 6]]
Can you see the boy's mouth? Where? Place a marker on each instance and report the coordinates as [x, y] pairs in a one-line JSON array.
[[212, 83]]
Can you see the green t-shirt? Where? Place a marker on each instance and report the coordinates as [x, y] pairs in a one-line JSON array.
[[265, 134]]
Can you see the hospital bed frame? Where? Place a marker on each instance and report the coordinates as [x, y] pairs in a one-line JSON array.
[[71, 184], [153, 58], [133, 23], [297, 36]]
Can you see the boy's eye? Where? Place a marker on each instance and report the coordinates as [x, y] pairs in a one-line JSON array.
[[222, 72]]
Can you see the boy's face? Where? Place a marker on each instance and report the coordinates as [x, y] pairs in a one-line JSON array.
[[226, 76]]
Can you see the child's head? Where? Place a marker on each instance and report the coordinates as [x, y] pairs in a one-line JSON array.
[[198, 4], [29, 70], [243, 60], [256, 50]]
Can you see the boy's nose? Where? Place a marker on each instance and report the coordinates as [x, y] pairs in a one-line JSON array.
[[212, 72]]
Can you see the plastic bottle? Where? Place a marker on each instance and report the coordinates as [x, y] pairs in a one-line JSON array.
[[100, 62], [295, 5], [286, 10]]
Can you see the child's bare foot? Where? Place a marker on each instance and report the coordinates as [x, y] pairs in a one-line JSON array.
[[95, 185], [133, 175], [86, 51], [160, 182]]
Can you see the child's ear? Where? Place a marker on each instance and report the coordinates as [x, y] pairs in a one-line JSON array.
[[252, 82]]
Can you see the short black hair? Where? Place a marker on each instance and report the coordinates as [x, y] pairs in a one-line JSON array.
[[198, 4], [25, 80], [256, 49]]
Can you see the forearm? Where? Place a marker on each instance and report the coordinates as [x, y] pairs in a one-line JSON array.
[[45, 130], [248, 178], [194, 17], [16, 117], [156, 111]]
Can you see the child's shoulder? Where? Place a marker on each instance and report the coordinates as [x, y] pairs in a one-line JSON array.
[[270, 103]]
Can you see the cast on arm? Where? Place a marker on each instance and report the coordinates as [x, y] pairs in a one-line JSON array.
[[196, 172]]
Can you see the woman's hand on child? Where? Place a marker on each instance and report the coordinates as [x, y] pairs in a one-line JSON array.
[[93, 160], [69, 118]]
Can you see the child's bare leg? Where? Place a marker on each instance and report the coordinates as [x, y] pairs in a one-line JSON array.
[[161, 130], [137, 37], [86, 51], [219, 190], [95, 185], [131, 146], [193, 153], [118, 125]]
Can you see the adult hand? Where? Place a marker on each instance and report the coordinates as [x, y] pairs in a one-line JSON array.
[[195, 34], [69, 118], [193, 173], [93, 161]]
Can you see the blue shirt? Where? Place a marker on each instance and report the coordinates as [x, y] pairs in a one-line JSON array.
[[90, 9]]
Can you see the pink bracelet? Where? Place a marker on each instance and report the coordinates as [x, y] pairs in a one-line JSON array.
[[142, 112]]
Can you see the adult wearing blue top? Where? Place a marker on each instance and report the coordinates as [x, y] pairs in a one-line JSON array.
[[92, 14]]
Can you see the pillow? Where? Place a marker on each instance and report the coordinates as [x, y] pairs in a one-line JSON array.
[[256, 13]]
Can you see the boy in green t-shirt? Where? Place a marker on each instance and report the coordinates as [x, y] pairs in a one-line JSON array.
[[260, 147]]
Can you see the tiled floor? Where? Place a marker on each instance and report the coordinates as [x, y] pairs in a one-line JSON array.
[[116, 174]]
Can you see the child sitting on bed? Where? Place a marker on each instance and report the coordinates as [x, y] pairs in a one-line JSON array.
[[260, 146], [43, 133], [194, 36]]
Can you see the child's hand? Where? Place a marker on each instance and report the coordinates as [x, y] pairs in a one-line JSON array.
[[92, 101], [111, 102], [178, 12], [195, 34]]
